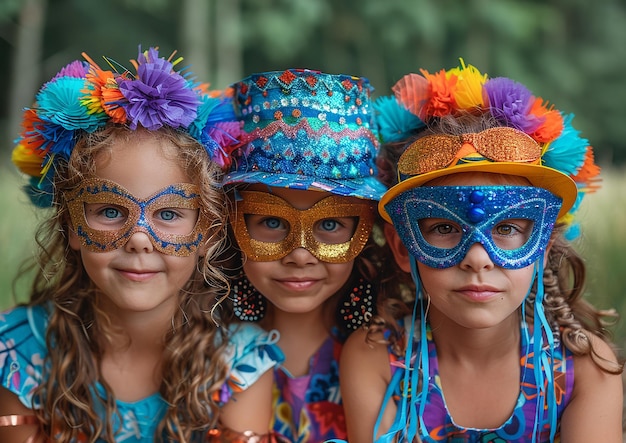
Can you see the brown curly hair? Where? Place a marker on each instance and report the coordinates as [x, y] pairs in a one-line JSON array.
[[79, 330], [575, 319]]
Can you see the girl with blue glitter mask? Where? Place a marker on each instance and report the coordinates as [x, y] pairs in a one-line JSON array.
[[498, 344], [121, 339]]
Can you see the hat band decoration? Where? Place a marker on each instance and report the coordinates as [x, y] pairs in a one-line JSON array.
[[440, 151]]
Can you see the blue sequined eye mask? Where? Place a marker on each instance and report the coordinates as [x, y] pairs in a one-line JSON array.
[[475, 212]]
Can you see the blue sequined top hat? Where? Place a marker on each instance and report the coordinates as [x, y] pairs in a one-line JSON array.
[[304, 129]]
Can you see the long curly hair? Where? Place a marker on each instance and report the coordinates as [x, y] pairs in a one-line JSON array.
[[572, 317], [80, 330]]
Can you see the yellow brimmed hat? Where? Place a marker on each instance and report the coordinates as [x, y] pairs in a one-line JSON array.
[[535, 141]]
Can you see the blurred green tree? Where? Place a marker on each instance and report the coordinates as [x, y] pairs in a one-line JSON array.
[[570, 52]]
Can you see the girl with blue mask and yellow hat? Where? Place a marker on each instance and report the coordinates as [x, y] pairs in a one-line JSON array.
[[121, 339], [500, 345], [304, 193]]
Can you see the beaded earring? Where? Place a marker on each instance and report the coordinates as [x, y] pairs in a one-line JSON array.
[[357, 308], [248, 303]]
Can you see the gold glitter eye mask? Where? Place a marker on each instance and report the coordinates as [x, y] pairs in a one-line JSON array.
[[301, 225], [104, 215]]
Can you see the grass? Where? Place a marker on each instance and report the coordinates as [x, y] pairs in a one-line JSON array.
[[18, 221]]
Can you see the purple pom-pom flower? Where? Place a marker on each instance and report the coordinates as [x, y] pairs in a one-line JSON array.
[[76, 69], [159, 96], [510, 102]]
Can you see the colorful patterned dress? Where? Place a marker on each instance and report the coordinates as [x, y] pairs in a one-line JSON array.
[[519, 427], [23, 350], [308, 409]]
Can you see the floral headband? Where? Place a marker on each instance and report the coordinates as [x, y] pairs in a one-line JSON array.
[[421, 99], [83, 98]]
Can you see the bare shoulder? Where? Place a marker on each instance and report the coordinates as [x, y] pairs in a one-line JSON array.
[[357, 348], [595, 409], [251, 409], [587, 371], [364, 373]]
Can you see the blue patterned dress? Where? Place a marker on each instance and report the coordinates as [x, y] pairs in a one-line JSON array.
[[23, 350]]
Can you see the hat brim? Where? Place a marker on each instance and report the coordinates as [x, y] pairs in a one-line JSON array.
[[539, 176], [368, 188]]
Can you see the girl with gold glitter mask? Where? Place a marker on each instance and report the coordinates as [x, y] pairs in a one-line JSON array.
[[304, 191], [498, 344], [121, 339]]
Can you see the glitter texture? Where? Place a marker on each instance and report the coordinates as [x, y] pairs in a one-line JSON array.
[[303, 128], [454, 203], [138, 217], [301, 224], [435, 152]]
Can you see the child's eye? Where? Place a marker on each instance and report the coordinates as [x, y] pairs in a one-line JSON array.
[[267, 228], [441, 233], [329, 224], [512, 234], [179, 221], [111, 212], [105, 216], [444, 229], [335, 230], [168, 214], [273, 223]]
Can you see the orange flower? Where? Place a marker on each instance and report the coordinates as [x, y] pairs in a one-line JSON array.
[[441, 88], [111, 99], [589, 172], [552, 125], [30, 136]]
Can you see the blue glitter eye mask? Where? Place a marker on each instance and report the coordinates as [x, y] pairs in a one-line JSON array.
[[477, 210], [139, 215]]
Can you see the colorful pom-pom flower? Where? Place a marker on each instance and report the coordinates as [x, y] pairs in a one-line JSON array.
[[82, 98]]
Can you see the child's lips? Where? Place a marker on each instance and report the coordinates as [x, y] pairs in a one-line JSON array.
[[479, 293], [137, 275], [297, 284]]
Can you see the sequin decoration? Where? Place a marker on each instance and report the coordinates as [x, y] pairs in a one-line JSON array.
[[357, 309], [307, 130], [474, 212]]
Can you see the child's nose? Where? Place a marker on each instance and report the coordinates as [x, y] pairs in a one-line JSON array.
[[477, 259], [300, 257], [139, 241]]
